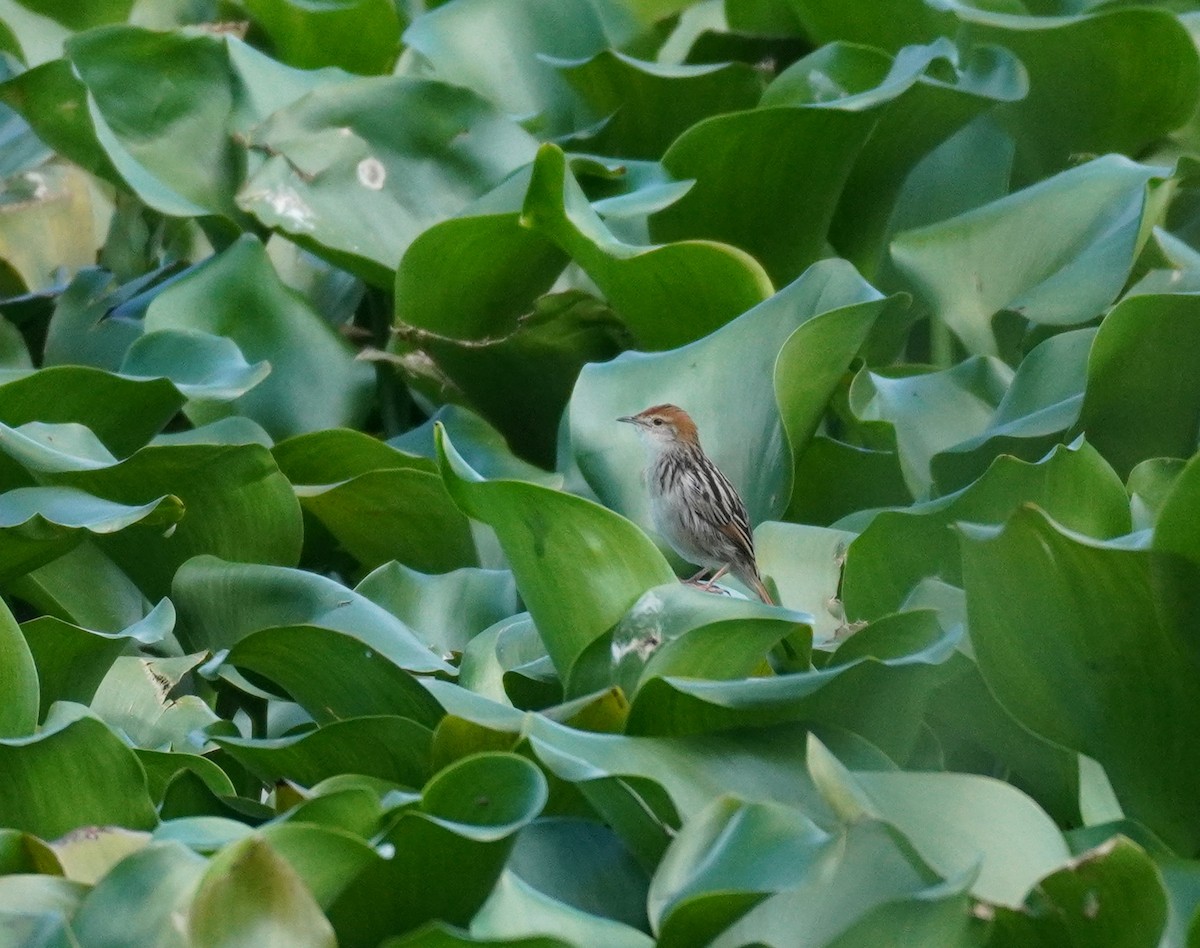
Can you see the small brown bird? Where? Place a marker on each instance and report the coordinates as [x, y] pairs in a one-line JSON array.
[[694, 507]]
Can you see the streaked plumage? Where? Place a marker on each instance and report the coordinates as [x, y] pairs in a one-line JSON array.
[[694, 507]]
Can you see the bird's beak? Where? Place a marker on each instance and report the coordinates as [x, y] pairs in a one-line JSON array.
[[629, 419]]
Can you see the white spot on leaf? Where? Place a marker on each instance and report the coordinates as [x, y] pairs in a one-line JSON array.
[[371, 173]]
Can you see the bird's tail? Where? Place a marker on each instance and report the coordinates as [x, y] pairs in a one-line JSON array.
[[751, 578]]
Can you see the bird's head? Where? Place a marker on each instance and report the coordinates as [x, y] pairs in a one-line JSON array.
[[663, 425]]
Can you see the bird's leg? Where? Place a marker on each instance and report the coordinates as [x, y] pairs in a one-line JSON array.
[[696, 578], [717, 575]]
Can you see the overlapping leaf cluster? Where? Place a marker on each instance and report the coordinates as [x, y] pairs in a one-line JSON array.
[[333, 611]]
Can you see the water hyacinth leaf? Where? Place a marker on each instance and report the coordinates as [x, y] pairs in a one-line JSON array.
[[888, 25], [1014, 846], [87, 854], [74, 772], [814, 148], [39, 224], [728, 374], [180, 157], [678, 630], [583, 864], [704, 881], [472, 277], [326, 858], [1069, 60], [159, 879], [1003, 257], [200, 365], [362, 36], [1173, 533], [1040, 406], [348, 179], [813, 361], [314, 381], [298, 657], [519, 381], [133, 699], [519, 913], [72, 660], [220, 603], [868, 865], [1142, 400], [238, 505], [481, 445], [648, 105], [390, 748], [834, 479], [19, 678], [804, 563], [39, 524], [667, 294], [250, 891], [922, 98], [511, 66], [896, 662], [469, 815], [77, 394], [602, 562], [1024, 580], [1111, 895], [930, 411], [755, 764], [898, 548], [447, 610]]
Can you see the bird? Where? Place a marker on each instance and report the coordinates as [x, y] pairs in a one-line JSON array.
[[693, 505]]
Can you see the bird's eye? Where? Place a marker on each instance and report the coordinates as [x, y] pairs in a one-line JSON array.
[[658, 421]]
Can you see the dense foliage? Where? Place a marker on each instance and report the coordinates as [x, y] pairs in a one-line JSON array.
[[333, 611]]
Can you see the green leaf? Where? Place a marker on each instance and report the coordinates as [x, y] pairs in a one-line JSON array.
[[520, 381], [1040, 406], [201, 366], [298, 659], [74, 772], [1142, 400], [39, 524], [18, 680], [314, 381], [929, 411], [1078, 103], [505, 57], [446, 855], [516, 911], [921, 99], [250, 892], [898, 548], [644, 106], [361, 36], [379, 503], [1002, 257], [72, 660], [390, 748], [743, 210], [448, 610], [221, 603], [1073, 640], [961, 824], [667, 294], [600, 562], [1111, 895], [416, 152], [141, 898]]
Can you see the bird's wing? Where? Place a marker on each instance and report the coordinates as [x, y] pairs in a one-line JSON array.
[[723, 509]]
